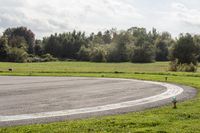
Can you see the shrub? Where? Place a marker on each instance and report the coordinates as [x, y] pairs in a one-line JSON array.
[[187, 67], [43, 58], [17, 55], [48, 57], [97, 55], [84, 54], [174, 66], [34, 59]]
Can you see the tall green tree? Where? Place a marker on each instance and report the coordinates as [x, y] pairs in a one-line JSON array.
[[107, 37], [118, 51], [4, 48], [98, 39], [53, 46], [185, 50], [143, 54], [162, 50], [66, 45], [23, 32], [18, 42], [196, 39]]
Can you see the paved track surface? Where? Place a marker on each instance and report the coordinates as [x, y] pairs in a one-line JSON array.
[[27, 100]]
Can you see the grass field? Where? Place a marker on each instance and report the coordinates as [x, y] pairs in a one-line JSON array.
[[82, 67], [164, 119]]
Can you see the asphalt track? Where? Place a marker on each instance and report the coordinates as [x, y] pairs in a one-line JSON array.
[[28, 100]]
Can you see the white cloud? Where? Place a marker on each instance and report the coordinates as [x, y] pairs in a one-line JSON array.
[[188, 16], [46, 17], [49, 16]]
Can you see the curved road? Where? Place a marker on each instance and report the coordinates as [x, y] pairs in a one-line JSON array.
[[26, 100]]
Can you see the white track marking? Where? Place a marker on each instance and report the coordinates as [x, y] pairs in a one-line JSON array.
[[172, 90]]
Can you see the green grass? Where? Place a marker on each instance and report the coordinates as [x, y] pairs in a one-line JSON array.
[[164, 119], [58, 67]]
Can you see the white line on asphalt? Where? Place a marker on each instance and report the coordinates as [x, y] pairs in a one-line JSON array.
[[172, 90]]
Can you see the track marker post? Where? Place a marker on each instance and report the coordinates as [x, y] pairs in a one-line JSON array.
[[174, 101]]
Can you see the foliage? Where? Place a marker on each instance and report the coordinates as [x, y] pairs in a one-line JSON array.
[[22, 33], [175, 66], [185, 50], [84, 54], [107, 39], [18, 42], [134, 45], [42, 58], [48, 57], [17, 55], [38, 48], [4, 49], [185, 54], [66, 45], [143, 54], [97, 54], [196, 40], [118, 52], [13, 50], [162, 50]]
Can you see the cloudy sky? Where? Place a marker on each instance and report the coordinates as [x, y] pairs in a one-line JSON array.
[[45, 17]]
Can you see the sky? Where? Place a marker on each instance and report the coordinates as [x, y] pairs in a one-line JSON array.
[[45, 17]]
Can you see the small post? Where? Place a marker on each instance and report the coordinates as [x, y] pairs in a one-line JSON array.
[[166, 78], [174, 101]]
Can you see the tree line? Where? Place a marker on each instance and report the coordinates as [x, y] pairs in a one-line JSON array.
[[135, 45]]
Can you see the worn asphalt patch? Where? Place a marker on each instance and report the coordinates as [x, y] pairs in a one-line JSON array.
[[27, 100]]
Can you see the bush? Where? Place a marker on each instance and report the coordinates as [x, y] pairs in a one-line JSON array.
[[187, 68], [174, 66], [17, 55], [48, 57], [84, 54], [97, 55], [43, 58], [34, 59]]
